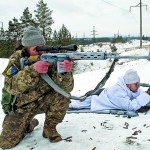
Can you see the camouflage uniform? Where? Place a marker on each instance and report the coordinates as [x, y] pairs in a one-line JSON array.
[[34, 96]]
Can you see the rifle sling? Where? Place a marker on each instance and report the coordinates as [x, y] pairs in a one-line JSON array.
[[99, 86], [54, 86], [81, 98], [59, 90]]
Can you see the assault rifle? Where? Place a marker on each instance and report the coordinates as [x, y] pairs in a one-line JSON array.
[[58, 57]]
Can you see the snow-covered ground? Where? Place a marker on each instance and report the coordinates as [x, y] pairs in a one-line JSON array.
[[89, 131]]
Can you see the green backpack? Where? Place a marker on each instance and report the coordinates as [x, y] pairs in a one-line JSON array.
[[8, 101]]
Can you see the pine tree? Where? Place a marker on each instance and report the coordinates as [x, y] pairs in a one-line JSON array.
[[118, 39], [26, 19], [14, 32], [44, 19], [55, 38], [14, 27], [11, 41], [2, 33], [64, 36]]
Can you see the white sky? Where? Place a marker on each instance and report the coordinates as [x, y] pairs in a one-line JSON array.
[[80, 16]]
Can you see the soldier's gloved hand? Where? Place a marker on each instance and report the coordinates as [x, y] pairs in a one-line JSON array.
[[67, 65], [41, 66]]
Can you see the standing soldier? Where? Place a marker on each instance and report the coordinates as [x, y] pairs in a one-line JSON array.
[[26, 94]]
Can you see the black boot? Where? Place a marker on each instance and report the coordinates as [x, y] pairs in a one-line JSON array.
[[51, 132], [33, 123]]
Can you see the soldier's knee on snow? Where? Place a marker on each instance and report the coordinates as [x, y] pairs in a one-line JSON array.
[[6, 143]]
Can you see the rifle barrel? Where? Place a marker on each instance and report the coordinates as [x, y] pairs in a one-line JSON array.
[[128, 57], [144, 84]]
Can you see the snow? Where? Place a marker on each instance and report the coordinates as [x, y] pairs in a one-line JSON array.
[[87, 131]]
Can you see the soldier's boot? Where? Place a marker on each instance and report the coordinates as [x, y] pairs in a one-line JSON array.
[[33, 123], [51, 132]]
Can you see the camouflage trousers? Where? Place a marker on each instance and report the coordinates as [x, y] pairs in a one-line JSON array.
[[14, 125]]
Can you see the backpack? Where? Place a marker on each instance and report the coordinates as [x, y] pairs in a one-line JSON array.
[[8, 101]]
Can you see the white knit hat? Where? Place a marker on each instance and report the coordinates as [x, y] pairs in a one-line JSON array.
[[32, 37], [131, 77]]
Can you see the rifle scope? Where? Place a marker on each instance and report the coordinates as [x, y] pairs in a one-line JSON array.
[[56, 48]]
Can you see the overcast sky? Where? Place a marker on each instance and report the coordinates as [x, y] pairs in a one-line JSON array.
[[109, 17]]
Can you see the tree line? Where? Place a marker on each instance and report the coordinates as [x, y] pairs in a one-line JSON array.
[[11, 38]]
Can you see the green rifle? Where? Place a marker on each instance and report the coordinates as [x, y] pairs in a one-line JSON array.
[[144, 84]]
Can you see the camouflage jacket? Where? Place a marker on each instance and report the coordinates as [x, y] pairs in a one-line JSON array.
[[27, 85]]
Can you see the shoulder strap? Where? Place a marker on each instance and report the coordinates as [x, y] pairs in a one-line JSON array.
[[22, 63], [54, 86], [100, 85], [57, 88]]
